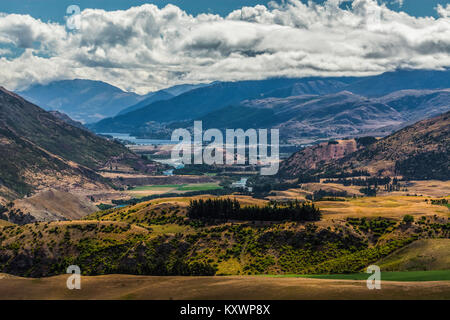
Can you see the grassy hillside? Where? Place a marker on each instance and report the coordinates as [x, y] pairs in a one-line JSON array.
[[29, 166], [157, 238], [426, 254]]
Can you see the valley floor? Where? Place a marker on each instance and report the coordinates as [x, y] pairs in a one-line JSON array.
[[215, 288]]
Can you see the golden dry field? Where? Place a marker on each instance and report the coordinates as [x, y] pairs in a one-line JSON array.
[[126, 287], [394, 207]]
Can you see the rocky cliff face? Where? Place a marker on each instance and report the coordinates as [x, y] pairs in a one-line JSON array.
[[311, 158]]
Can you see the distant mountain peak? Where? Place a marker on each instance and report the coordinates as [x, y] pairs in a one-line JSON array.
[[89, 101]]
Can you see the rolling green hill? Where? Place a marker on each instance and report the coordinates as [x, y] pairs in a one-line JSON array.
[[157, 238], [422, 255]]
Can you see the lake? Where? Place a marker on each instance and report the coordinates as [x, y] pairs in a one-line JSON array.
[[139, 141]]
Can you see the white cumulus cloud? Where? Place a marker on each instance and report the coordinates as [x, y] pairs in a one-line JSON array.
[[145, 48]]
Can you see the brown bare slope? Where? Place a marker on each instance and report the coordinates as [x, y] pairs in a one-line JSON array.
[[38, 151], [52, 205]]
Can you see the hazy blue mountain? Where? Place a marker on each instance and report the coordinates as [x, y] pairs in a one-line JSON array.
[[202, 101], [325, 116], [182, 88], [164, 94], [150, 98], [418, 104], [198, 102], [82, 100], [321, 86], [388, 82], [90, 101], [372, 86]]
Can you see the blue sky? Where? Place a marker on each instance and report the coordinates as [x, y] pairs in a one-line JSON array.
[[54, 10]]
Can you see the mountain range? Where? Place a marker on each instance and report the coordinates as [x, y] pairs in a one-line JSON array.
[[82, 100], [201, 101], [90, 101], [46, 148], [337, 115], [303, 109]]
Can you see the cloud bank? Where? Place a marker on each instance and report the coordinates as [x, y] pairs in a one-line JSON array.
[[145, 48]]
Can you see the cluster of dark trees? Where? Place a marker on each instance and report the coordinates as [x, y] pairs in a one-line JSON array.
[[333, 174], [200, 169], [262, 185], [395, 186], [3, 210], [425, 166], [365, 141], [103, 206], [268, 186], [439, 201], [324, 194], [197, 169], [133, 201], [301, 177], [369, 191], [307, 178], [227, 209], [375, 181], [15, 216], [371, 184]]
